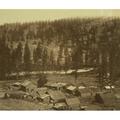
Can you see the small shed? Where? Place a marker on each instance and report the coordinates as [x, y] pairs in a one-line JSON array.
[[15, 86], [26, 82], [27, 86], [24, 85], [92, 107], [61, 85], [2, 95], [71, 89], [109, 88], [108, 99], [50, 85], [73, 103], [45, 98], [94, 90], [81, 87], [56, 96], [33, 95], [31, 87], [42, 90], [117, 90], [60, 106], [56, 86], [117, 96], [16, 94], [83, 107]]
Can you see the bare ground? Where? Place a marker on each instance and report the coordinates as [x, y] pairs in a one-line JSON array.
[[15, 104]]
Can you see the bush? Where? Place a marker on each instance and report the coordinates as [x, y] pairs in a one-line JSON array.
[[42, 80]]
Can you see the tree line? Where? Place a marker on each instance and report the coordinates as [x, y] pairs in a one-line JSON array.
[[88, 42]]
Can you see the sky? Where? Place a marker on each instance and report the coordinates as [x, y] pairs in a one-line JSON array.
[[29, 15]]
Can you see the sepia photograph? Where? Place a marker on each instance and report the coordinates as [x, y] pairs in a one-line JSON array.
[[60, 59]]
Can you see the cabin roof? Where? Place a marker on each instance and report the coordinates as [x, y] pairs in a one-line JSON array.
[[26, 83], [73, 101], [59, 105], [71, 88], [56, 95]]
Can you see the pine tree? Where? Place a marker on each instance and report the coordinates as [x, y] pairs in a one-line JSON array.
[[4, 58], [19, 55], [76, 59], [38, 52], [27, 61], [44, 59], [59, 57], [67, 59], [34, 56], [13, 60], [51, 60], [7, 59]]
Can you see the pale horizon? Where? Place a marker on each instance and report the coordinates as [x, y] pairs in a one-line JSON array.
[[32, 15]]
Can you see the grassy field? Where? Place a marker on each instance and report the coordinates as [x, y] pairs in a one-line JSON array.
[[87, 80], [82, 79], [15, 104]]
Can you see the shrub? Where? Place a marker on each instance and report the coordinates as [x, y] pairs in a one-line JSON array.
[[42, 80]]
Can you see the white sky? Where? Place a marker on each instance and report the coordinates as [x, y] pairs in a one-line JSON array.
[[29, 15]]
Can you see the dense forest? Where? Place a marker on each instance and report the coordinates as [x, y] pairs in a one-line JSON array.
[[61, 45]]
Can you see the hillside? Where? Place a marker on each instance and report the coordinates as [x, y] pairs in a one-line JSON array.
[[65, 44]]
